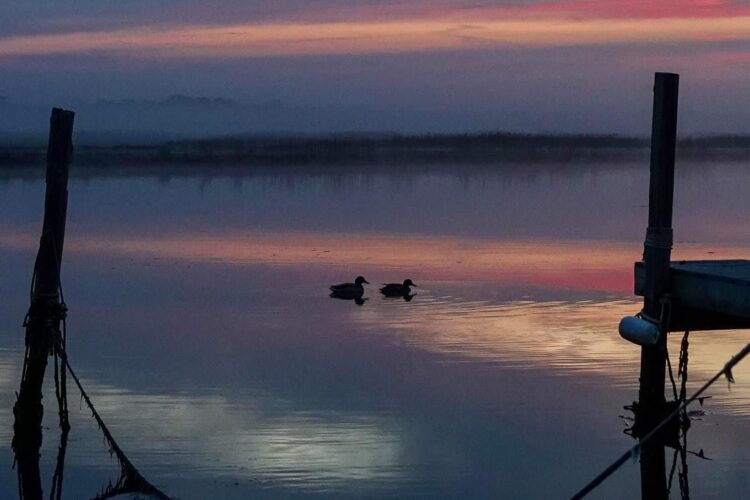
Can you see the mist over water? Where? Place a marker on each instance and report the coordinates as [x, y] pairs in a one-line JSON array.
[[201, 325]]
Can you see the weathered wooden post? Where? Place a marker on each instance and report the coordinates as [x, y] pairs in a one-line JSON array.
[[657, 250], [47, 310]]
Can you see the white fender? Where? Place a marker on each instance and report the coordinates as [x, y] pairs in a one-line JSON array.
[[639, 331]]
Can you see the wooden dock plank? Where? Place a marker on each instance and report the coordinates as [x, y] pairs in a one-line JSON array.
[[716, 286]]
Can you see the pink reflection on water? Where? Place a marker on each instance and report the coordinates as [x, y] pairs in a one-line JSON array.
[[578, 265]]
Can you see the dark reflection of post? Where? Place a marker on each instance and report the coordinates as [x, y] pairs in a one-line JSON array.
[[29, 478], [657, 480], [653, 471], [654, 484], [652, 453]]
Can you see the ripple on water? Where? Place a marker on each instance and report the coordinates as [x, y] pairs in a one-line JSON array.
[[564, 338]]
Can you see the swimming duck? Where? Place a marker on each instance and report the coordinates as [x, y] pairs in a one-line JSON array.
[[349, 290], [397, 289]]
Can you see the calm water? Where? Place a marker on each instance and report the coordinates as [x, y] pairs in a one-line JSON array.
[[201, 325]]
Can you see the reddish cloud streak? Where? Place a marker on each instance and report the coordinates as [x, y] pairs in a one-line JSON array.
[[567, 9], [469, 10], [638, 9], [259, 40]]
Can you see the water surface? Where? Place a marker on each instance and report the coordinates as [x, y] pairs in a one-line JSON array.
[[201, 326]]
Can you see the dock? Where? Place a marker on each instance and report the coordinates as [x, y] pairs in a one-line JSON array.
[[705, 294], [677, 296]]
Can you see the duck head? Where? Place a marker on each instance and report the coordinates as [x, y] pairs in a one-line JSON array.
[[360, 280], [408, 283]]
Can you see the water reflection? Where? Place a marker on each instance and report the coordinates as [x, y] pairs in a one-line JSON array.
[[357, 299], [583, 265], [260, 441], [674, 420], [657, 481], [523, 201], [502, 377]]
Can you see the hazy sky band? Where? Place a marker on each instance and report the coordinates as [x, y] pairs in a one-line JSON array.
[[384, 65], [378, 37], [38, 16]]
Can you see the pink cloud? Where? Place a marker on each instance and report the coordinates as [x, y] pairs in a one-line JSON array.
[[244, 40], [629, 9]]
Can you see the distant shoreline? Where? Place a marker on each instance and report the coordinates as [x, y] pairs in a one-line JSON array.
[[354, 149]]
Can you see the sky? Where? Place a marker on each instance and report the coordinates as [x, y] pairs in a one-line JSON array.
[[424, 66]]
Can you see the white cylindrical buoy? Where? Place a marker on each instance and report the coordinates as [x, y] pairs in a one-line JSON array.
[[639, 331]]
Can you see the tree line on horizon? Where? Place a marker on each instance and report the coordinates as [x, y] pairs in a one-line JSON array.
[[485, 147]]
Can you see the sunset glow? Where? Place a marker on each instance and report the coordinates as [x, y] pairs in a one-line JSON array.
[[459, 65], [378, 37], [374, 249]]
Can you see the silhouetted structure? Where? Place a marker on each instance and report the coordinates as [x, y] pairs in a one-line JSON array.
[[684, 296], [46, 312], [46, 335]]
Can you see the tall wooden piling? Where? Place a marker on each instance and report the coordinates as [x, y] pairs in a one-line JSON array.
[[657, 248], [47, 310], [657, 251]]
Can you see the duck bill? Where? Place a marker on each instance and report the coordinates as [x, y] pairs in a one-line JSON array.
[[365, 281]]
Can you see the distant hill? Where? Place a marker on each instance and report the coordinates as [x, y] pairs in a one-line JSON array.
[[175, 100]]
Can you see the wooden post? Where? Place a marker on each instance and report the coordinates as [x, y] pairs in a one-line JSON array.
[[657, 252], [657, 249], [46, 311]]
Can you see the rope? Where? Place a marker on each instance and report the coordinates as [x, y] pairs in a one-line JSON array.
[[682, 369], [671, 375], [658, 237], [131, 479], [44, 318], [681, 449], [635, 450]]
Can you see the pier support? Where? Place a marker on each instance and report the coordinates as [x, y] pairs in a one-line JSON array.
[[657, 250], [46, 311]]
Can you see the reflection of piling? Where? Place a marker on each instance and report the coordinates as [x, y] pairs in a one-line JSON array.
[[656, 256], [47, 309]]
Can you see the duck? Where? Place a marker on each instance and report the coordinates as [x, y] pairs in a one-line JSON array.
[[397, 289], [349, 290]]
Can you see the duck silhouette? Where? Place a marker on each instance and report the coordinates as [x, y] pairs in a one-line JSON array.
[[349, 291], [398, 289]]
